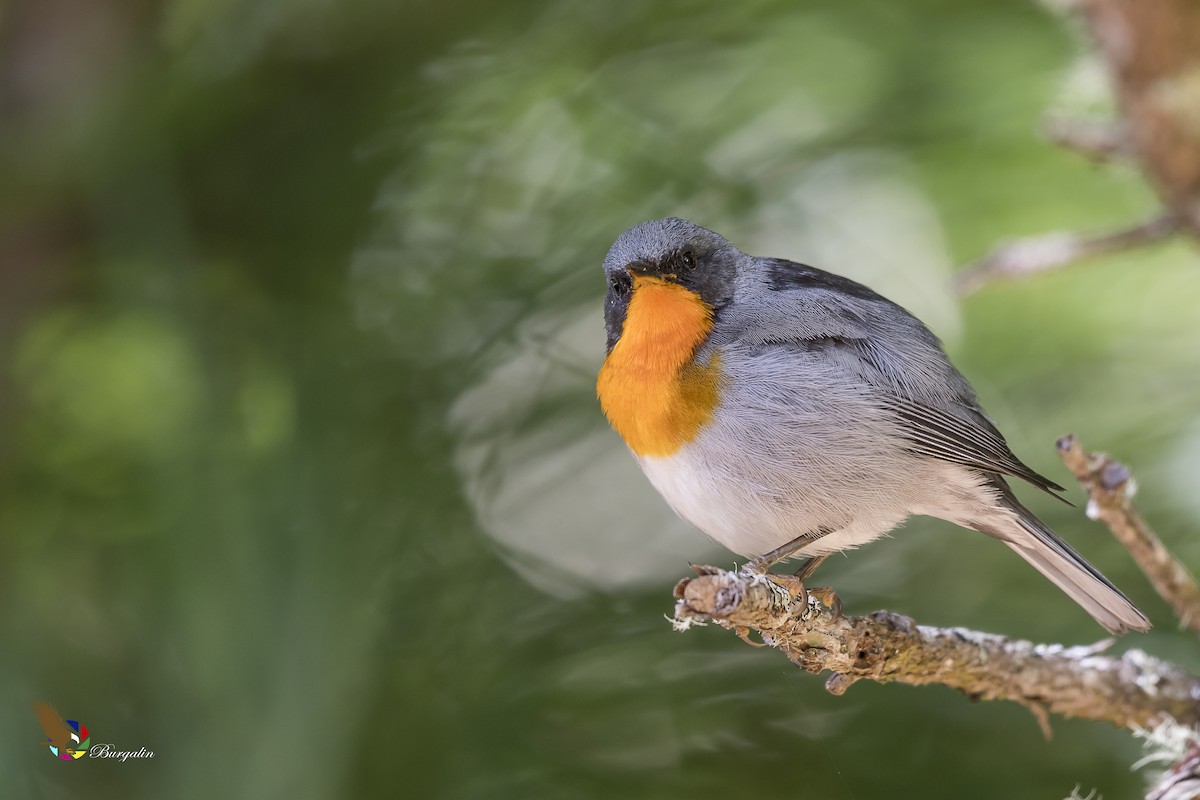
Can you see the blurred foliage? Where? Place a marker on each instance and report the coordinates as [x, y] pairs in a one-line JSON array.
[[302, 483]]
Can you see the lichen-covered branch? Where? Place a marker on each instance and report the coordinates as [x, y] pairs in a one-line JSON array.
[[1181, 781], [1110, 488], [1178, 747], [1133, 690]]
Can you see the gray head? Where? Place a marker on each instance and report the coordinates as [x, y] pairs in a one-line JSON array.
[[672, 249]]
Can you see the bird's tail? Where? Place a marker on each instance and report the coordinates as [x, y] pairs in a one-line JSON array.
[[1048, 554]]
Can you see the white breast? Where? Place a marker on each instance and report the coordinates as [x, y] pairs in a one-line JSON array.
[[794, 448]]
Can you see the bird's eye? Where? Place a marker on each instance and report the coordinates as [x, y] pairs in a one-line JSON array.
[[619, 284], [689, 260]]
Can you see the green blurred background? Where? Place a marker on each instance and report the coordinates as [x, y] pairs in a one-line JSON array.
[[303, 485]]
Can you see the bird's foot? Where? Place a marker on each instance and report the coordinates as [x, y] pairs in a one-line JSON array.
[[828, 598], [760, 565], [757, 566], [743, 633], [757, 570]]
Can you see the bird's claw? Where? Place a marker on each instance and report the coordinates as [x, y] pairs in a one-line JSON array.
[[829, 598], [756, 566], [743, 633]]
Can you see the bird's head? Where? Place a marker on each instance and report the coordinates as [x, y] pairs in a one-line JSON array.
[[671, 251]]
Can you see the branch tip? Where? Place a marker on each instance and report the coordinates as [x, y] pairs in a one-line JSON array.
[[1110, 487]]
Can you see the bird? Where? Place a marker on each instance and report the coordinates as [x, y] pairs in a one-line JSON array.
[[58, 733], [791, 412]]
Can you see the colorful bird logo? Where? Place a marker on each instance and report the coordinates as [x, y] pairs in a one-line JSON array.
[[68, 740]]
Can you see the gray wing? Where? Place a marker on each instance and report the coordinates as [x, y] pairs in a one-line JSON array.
[[881, 343], [973, 444]]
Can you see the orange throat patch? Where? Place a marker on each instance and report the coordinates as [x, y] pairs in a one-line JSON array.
[[651, 388]]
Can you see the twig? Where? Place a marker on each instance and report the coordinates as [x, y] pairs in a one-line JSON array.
[[1052, 251], [1134, 690], [1096, 141], [1110, 488]]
